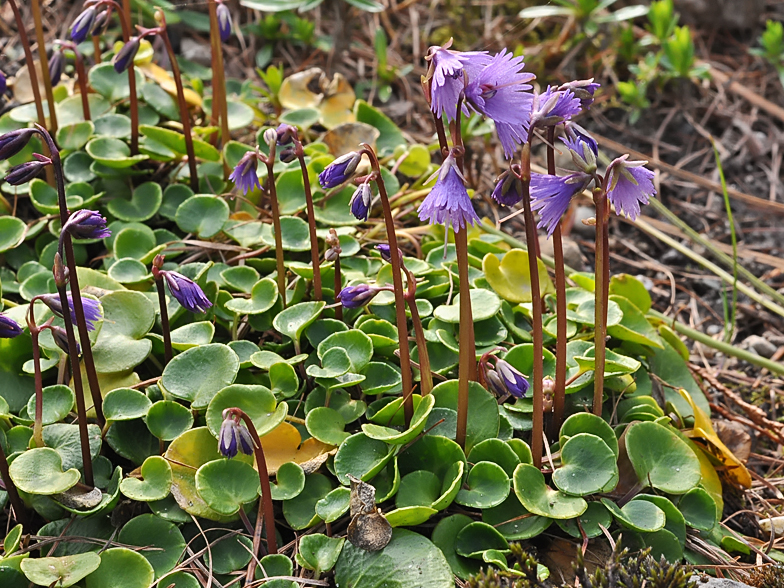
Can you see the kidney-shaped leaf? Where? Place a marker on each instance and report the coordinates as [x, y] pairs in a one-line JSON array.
[[661, 459], [121, 346], [534, 495], [197, 374], [588, 466], [225, 485], [40, 471], [62, 571]]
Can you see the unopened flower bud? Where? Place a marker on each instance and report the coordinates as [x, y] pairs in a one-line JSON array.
[[124, 57], [13, 142], [360, 202], [224, 22], [288, 154], [24, 172], [357, 296], [234, 436], [83, 24], [270, 137], [56, 66], [61, 339], [340, 170]]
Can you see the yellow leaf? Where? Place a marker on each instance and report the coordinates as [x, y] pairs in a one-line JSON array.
[[510, 277], [166, 81], [707, 439], [284, 444], [294, 92]]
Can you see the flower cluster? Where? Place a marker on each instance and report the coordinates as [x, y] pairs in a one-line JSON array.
[[92, 308], [504, 379], [357, 296], [87, 224], [448, 202]]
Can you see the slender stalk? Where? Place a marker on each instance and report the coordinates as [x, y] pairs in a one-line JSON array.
[[35, 331], [10, 487], [467, 344], [67, 246], [44, 61], [97, 49], [338, 288], [559, 397], [600, 310], [536, 303], [273, 196], [397, 281], [167, 346], [219, 106], [39, 105], [266, 512], [76, 374], [184, 113], [425, 373], [729, 332], [81, 76], [315, 258]]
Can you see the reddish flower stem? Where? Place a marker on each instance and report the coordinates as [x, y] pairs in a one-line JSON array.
[[219, 106], [273, 196], [602, 276], [425, 373], [10, 487], [397, 281], [315, 258], [167, 346], [536, 303], [559, 399]]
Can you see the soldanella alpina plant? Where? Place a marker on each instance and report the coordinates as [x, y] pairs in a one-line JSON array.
[[309, 354]]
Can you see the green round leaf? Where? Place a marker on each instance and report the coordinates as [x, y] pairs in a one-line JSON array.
[[318, 552], [422, 410], [510, 276], [420, 488], [121, 346], [514, 521], [128, 271], [40, 471], [62, 571], [362, 457], [482, 406], [125, 404], [225, 485], [591, 522], [197, 374], [586, 422], [289, 482], [202, 215], [496, 451], [661, 459], [300, 511], [326, 425], [484, 304], [263, 296], [58, 400], [164, 539], [699, 509], [12, 232], [113, 153], [409, 516], [536, 497], [258, 402], [293, 320], [488, 486], [587, 466], [168, 419], [638, 515], [445, 537], [144, 203], [121, 568], [156, 481], [408, 560], [475, 538]]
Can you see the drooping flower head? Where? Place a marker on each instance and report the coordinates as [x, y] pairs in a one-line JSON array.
[[504, 379], [448, 202], [500, 91], [83, 24], [224, 21], [184, 290], [360, 201], [284, 134], [357, 296], [101, 22], [9, 328], [234, 436], [551, 195], [583, 148], [60, 337], [92, 308], [3, 83], [446, 76], [124, 57], [508, 190], [56, 65], [629, 184], [13, 142], [340, 170], [24, 172], [583, 91], [553, 107], [87, 224], [386, 252], [244, 175]]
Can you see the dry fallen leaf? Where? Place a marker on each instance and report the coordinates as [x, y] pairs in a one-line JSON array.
[[369, 528], [165, 81], [284, 444]]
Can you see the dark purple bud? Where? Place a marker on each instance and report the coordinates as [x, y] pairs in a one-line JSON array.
[[360, 202], [340, 170], [13, 142], [285, 134], [24, 172], [186, 292], [56, 66], [244, 175], [234, 437], [227, 438], [224, 21], [87, 224], [357, 296], [509, 189], [288, 154], [3, 84], [101, 22], [9, 328], [61, 339], [583, 90], [92, 308], [385, 251], [513, 380], [124, 57], [83, 24]]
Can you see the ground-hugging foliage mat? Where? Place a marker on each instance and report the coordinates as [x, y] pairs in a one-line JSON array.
[[209, 370]]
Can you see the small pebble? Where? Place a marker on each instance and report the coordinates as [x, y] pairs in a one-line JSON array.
[[760, 346]]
